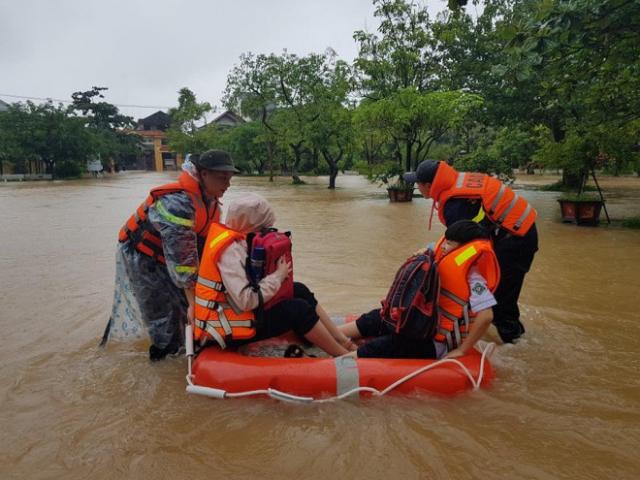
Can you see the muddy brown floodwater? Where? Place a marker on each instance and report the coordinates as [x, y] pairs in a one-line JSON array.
[[565, 402]]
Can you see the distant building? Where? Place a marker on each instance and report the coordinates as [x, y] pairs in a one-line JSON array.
[[4, 106], [228, 119], [157, 121], [155, 151]]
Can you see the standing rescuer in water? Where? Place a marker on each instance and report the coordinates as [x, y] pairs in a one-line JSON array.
[[159, 251], [510, 218]]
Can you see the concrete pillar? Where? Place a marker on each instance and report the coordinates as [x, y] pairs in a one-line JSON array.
[[157, 144]]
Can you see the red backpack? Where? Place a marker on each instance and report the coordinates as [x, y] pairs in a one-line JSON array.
[[411, 303], [264, 250]]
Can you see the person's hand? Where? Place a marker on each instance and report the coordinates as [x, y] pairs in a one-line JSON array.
[[422, 251], [455, 353], [284, 268]]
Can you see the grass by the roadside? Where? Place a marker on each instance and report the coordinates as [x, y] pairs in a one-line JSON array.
[[633, 222]]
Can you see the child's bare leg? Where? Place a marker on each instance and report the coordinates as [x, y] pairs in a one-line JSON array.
[[321, 337], [350, 330], [341, 337]]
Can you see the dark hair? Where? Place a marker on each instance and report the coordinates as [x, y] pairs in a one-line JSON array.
[[464, 231]]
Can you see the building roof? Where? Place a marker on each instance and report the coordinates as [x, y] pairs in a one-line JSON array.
[[156, 121], [3, 106], [229, 117]]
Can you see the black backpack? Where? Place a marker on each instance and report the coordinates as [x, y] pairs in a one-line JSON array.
[[411, 303]]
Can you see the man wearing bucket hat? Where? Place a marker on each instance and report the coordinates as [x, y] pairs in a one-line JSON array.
[[159, 250], [510, 218]]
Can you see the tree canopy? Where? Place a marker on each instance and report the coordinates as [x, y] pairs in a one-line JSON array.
[[63, 138], [510, 84]]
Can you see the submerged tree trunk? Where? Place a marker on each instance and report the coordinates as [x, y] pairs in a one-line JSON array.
[[297, 152], [333, 166], [333, 173]]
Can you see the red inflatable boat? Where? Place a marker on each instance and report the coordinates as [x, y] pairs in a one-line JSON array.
[[232, 373]]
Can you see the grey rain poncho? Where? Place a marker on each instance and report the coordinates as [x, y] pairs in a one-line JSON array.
[[149, 296]]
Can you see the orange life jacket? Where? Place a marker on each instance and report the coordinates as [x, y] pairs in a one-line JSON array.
[[215, 317], [500, 204], [145, 238], [454, 317]]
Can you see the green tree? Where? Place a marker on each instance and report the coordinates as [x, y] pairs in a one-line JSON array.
[[245, 143], [252, 91], [399, 56], [332, 134], [370, 141], [107, 127], [578, 59], [99, 114], [288, 94], [46, 132], [185, 134], [413, 121], [10, 150]]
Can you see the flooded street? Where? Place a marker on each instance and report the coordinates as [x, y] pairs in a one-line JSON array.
[[565, 402]]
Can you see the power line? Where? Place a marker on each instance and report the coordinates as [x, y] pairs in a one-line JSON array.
[[69, 101]]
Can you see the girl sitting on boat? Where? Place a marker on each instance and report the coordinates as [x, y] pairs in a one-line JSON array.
[[228, 305], [468, 273]]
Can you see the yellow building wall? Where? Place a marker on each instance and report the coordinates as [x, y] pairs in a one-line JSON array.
[[157, 144]]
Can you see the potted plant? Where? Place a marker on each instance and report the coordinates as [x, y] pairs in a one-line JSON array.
[[399, 191], [578, 155], [390, 175], [582, 209]]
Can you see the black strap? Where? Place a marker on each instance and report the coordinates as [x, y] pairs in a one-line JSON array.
[[247, 265], [105, 335], [260, 301], [259, 310]]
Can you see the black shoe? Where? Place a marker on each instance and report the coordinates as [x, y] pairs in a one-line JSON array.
[[156, 353], [510, 332], [296, 351]]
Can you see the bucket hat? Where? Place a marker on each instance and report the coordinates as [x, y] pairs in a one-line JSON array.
[[217, 160]]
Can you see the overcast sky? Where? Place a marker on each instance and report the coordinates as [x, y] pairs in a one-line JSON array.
[[145, 51]]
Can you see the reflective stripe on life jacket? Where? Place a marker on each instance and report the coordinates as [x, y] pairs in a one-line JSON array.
[[216, 318], [501, 204], [146, 239], [454, 317]]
